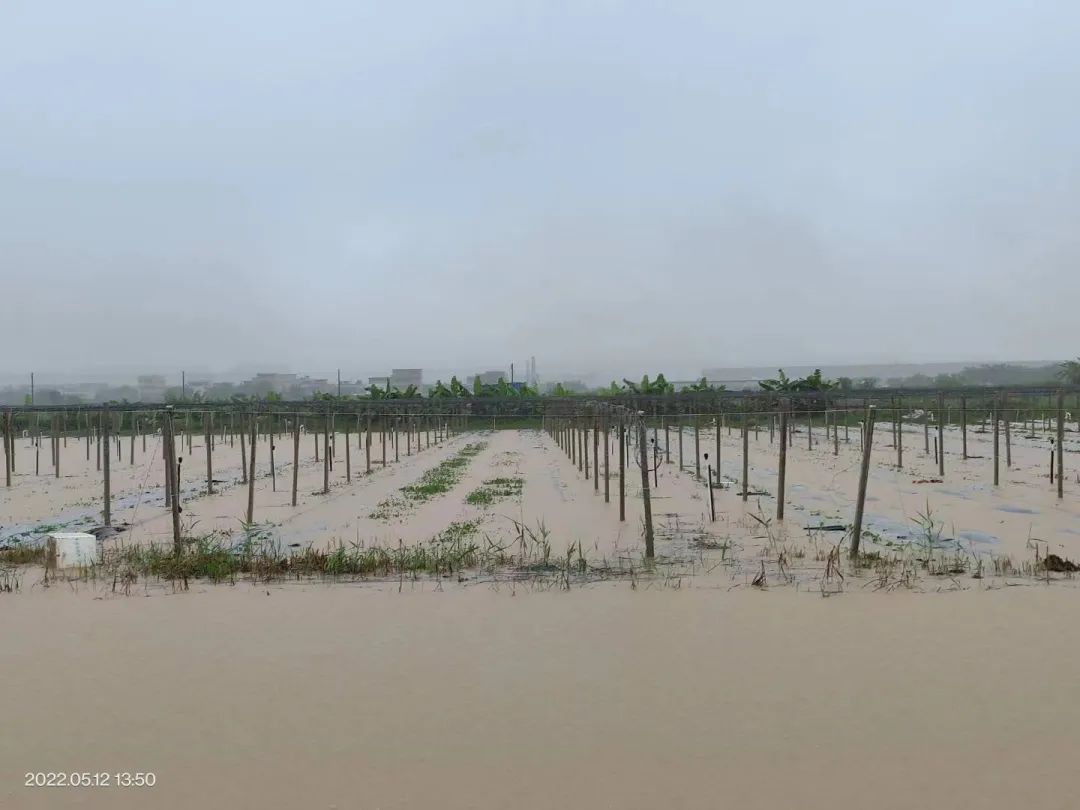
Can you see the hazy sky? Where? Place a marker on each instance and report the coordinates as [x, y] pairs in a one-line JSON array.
[[605, 185]]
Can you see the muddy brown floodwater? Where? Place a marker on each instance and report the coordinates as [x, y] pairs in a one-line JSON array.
[[359, 696]]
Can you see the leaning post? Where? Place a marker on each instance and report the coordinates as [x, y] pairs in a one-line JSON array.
[[864, 475]]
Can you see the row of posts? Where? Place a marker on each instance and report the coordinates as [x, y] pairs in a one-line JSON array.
[[575, 433], [415, 430], [571, 432]]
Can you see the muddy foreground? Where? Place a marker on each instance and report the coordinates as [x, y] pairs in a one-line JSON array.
[[359, 696]]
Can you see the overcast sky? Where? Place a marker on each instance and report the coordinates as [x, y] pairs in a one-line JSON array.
[[626, 186]]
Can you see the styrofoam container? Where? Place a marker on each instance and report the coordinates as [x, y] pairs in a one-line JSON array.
[[74, 549]]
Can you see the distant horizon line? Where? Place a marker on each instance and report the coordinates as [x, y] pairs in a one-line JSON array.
[[109, 375]]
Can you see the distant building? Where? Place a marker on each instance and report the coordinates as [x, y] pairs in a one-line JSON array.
[[379, 382], [402, 378], [308, 386], [490, 377], [268, 382], [573, 386], [151, 387], [352, 388]]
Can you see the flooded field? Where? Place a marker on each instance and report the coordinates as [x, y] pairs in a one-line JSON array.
[[473, 626], [501, 487]]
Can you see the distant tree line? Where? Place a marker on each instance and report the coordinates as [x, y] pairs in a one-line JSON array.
[[989, 375]]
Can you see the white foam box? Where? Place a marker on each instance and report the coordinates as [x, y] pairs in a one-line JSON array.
[[74, 549]]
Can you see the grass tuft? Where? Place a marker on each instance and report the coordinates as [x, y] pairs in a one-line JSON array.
[[495, 489], [435, 482]]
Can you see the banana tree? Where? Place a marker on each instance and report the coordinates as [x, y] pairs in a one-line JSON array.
[[702, 386], [440, 391], [658, 386], [812, 382], [1070, 372]]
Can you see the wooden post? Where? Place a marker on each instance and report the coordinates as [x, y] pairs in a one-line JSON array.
[[782, 471], [107, 511], [326, 452], [656, 459], [8, 444], [582, 462], [295, 455], [994, 416], [893, 421], [56, 443], [643, 451], [667, 442], [167, 434], [596, 455], [963, 430], [367, 444], [864, 475], [243, 456], [208, 432], [745, 459], [1008, 431], [166, 458], [899, 434], [926, 431], [697, 447], [836, 433], [585, 447], [272, 438], [607, 461], [712, 498], [718, 448], [251, 473], [622, 468], [680, 446], [941, 434], [1061, 444], [348, 457], [382, 436]]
